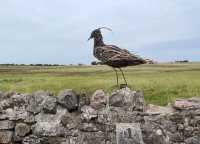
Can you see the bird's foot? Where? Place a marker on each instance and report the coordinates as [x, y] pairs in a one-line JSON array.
[[121, 86]]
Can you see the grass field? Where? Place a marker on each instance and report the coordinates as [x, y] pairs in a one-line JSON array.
[[161, 83]]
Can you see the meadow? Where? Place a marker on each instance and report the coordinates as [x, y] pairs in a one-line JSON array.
[[161, 83]]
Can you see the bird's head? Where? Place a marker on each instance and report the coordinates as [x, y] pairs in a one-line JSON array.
[[97, 33]]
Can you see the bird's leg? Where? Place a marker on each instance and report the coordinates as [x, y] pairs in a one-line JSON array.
[[116, 76], [123, 75]]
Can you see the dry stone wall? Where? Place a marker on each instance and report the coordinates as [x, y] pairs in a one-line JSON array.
[[121, 118]]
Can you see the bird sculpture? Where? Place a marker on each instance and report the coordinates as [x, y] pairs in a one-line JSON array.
[[112, 55]]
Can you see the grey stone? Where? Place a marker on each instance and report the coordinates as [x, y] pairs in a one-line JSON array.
[[88, 127], [49, 105], [180, 127], [92, 138], [177, 117], [118, 115], [127, 99], [187, 104], [6, 103], [9, 94], [22, 129], [17, 139], [32, 139], [35, 101], [98, 99], [116, 99], [88, 113], [71, 140], [84, 99], [9, 113], [193, 140], [29, 119], [54, 140], [188, 131], [155, 109], [128, 133], [153, 133], [1, 109], [166, 124], [19, 99], [196, 112], [110, 115], [6, 125], [17, 113], [138, 101], [68, 121], [72, 132], [68, 99], [175, 137], [6, 137], [3, 116], [49, 124]]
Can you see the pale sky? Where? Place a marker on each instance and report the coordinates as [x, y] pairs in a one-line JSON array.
[[56, 32]]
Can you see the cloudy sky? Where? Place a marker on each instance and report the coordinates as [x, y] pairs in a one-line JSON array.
[[49, 31]]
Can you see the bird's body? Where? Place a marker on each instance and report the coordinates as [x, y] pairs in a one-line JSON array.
[[115, 57], [112, 55]]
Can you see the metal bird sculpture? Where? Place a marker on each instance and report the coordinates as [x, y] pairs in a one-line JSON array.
[[112, 55]]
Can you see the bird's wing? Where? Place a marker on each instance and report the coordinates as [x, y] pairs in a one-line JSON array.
[[114, 53]]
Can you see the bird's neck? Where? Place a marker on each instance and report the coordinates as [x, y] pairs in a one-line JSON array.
[[98, 41]]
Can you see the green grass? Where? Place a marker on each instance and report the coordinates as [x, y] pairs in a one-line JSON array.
[[161, 83]]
